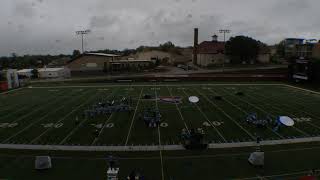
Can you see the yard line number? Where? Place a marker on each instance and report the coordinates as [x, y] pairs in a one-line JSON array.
[[8, 125], [215, 123], [52, 125]]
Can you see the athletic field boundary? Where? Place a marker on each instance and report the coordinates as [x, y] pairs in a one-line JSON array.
[[153, 147]]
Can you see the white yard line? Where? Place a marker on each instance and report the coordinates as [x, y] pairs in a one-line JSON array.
[[257, 107], [82, 122], [63, 118], [101, 130], [226, 114], [208, 120], [236, 106], [132, 120], [34, 122], [54, 98], [182, 118], [159, 135], [273, 107]]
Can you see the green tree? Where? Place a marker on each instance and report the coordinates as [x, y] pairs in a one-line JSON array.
[[167, 46], [281, 49], [242, 48], [75, 53]]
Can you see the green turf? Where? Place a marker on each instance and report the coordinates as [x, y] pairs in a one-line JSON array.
[[30, 109]]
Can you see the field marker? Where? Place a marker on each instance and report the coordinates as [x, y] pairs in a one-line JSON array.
[[251, 136], [82, 122], [132, 120], [34, 122], [63, 118], [206, 117], [236, 106], [182, 118]]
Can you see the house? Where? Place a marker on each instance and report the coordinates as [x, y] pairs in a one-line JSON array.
[[290, 46], [59, 62], [308, 50], [264, 55], [92, 62], [172, 56], [154, 55], [25, 73], [211, 53], [48, 73], [100, 62]]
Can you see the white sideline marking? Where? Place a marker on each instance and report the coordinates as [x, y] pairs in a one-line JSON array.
[[236, 106], [173, 85], [134, 115], [182, 118], [13, 90], [277, 175], [307, 90], [157, 147], [226, 114], [206, 117]]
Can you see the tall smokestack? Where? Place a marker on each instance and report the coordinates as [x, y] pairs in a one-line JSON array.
[[195, 46]]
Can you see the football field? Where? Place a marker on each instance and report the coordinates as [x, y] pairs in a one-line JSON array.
[[54, 115], [45, 119]]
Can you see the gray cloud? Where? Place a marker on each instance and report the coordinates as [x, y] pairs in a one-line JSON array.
[[48, 26], [24, 9]]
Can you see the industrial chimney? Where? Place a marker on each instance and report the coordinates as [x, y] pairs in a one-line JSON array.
[[195, 46]]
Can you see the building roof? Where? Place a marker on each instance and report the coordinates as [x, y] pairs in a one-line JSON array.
[[133, 60], [211, 47], [24, 70], [49, 69], [102, 54]]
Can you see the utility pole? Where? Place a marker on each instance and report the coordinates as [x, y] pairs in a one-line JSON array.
[[224, 31], [82, 33]]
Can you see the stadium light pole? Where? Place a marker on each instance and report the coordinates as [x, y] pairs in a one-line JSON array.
[[82, 33], [224, 31]]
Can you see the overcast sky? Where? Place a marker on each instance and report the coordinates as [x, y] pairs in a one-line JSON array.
[[48, 26]]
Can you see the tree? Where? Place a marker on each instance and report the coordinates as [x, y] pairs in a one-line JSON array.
[[76, 53], [34, 73], [242, 49], [281, 49], [167, 46]]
